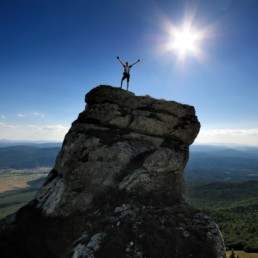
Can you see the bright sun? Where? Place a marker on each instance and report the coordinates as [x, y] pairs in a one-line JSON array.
[[184, 41]]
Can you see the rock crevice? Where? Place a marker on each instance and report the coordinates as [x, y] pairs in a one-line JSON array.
[[110, 136], [120, 174]]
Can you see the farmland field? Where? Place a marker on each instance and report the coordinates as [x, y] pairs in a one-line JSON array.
[[13, 179], [17, 187]]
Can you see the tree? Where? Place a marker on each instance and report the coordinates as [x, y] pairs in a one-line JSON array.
[[232, 255]]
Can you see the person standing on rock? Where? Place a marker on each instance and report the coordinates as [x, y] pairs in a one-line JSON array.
[[126, 74]]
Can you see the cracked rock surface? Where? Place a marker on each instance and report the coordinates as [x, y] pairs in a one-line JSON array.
[[117, 188]]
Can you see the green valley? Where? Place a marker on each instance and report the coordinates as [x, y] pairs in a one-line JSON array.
[[234, 207]]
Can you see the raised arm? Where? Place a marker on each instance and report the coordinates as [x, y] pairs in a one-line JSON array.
[[120, 61], [136, 62]]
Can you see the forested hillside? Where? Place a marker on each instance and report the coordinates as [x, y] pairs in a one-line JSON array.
[[223, 182], [20, 157], [234, 207]]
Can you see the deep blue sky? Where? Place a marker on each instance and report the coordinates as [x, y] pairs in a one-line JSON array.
[[53, 52]]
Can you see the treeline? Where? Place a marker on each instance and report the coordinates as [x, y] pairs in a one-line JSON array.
[[234, 207], [238, 226]]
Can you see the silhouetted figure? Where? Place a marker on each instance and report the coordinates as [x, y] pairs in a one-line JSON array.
[[126, 74]]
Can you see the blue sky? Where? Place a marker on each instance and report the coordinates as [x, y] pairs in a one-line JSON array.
[[53, 52]]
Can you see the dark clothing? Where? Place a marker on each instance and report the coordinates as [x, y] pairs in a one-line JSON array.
[[126, 76]]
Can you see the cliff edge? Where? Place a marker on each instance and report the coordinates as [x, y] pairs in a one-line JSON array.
[[117, 187]]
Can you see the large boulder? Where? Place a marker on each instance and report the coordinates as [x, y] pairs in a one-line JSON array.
[[117, 186]]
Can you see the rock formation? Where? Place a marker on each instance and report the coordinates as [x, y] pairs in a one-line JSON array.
[[117, 187]]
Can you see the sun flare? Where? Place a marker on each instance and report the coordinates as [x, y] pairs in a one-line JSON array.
[[184, 41]]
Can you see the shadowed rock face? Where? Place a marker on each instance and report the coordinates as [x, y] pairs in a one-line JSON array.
[[118, 184], [136, 146]]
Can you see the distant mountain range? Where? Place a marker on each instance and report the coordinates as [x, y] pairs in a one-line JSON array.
[[39, 144], [207, 163], [23, 156], [219, 163]]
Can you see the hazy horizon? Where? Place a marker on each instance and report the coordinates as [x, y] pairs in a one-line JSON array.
[[219, 144]]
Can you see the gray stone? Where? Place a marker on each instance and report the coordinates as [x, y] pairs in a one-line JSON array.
[[82, 251], [121, 121], [148, 126], [117, 187]]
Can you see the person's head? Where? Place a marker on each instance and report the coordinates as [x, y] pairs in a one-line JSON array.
[[126, 63]]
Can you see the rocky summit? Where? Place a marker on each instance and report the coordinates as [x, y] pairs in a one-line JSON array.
[[117, 187]]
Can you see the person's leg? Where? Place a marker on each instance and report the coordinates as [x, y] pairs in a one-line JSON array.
[[122, 81], [128, 79]]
